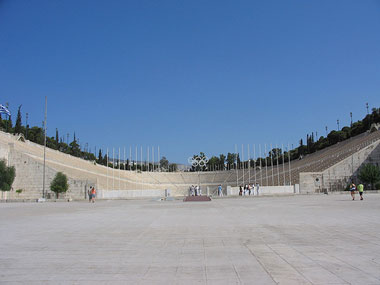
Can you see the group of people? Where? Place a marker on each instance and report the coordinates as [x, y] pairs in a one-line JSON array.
[[249, 189], [195, 190], [353, 189], [91, 194]]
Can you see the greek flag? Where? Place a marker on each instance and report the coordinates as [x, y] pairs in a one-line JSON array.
[[4, 110]]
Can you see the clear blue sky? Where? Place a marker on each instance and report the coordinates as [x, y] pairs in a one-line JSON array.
[[190, 76]]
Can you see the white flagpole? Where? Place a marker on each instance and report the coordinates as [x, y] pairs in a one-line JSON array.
[[141, 159], [159, 159], [242, 160], [153, 157], [136, 164], [125, 166], [254, 162], [45, 127], [249, 167], [261, 171], [290, 170], [278, 170], [130, 157], [283, 162], [113, 168], [236, 169], [119, 169], [146, 168], [107, 167], [136, 169], [147, 151], [124, 160], [271, 162], [266, 164]]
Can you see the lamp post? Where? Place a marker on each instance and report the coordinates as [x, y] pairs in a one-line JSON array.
[[43, 179], [369, 118], [351, 119], [26, 124]]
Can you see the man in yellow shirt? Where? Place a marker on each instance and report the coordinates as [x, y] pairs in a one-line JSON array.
[[361, 190]]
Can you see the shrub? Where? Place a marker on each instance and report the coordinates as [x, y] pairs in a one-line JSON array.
[[59, 184], [7, 176], [377, 186], [19, 191], [369, 174]]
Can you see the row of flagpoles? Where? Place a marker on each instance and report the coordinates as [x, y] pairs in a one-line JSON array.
[[285, 172], [149, 160]]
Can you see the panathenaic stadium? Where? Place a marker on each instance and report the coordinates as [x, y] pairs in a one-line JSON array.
[[327, 170]]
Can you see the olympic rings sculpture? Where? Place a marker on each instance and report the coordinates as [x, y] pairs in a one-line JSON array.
[[198, 161]]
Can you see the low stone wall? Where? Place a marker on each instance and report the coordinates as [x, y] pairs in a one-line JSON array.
[[120, 194], [267, 190]]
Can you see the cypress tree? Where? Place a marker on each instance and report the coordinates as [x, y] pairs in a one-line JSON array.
[[100, 158], [18, 129], [56, 135]]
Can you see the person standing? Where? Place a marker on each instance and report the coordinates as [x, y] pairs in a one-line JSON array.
[[89, 194], [192, 190], [361, 190], [93, 194], [352, 190], [257, 188], [220, 190]]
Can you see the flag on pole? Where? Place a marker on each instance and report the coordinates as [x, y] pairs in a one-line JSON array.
[[4, 110]]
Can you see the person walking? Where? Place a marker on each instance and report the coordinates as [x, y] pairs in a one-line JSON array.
[[89, 194], [352, 190], [93, 194], [361, 190], [220, 192]]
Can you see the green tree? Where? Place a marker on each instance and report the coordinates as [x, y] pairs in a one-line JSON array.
[[173, 167], [369, 174], [9, 124], [336, 136], [222, 161], [231, 158], [7, 176], [100, 156], [212, 163], [164, 163], [59, 184], [74, 148], [17, 129], [56, 136]]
